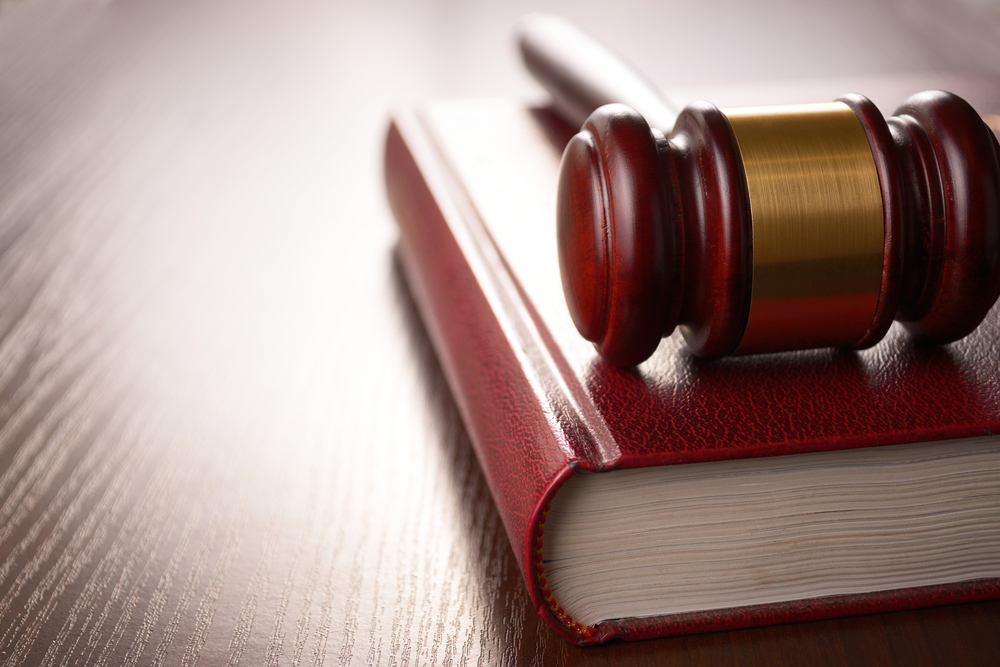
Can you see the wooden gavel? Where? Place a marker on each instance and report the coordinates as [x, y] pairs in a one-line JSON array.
[[764, 229]]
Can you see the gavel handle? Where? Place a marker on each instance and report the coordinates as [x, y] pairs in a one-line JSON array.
[[582, 74]]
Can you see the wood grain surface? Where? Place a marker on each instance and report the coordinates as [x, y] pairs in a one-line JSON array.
[[224, 436]]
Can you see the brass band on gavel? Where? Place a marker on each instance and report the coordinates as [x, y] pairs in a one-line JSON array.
[[818, 228]]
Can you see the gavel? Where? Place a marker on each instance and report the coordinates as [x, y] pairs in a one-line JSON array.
[[764, 229]]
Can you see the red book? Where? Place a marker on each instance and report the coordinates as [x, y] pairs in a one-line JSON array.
[[742, 475]]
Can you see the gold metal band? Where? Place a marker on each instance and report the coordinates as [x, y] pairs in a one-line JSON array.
[[818, 229]]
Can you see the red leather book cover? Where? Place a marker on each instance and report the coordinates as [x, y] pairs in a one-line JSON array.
[[472, 186]]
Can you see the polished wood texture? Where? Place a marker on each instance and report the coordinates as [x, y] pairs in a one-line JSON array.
[[764, 229], [224, 436]]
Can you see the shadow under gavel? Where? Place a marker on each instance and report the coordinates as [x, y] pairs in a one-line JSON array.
[[764, 229]]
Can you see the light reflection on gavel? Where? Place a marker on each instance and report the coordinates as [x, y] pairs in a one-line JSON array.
[[764, 229]]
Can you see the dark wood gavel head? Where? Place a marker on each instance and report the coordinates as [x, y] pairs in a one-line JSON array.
[[780, 228]]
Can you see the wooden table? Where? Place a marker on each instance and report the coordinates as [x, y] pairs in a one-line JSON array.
[[224, 435]]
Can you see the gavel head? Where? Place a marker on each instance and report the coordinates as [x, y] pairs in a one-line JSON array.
[[780, 228]]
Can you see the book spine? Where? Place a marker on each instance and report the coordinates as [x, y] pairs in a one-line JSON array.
[[520, 419]]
